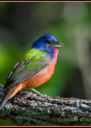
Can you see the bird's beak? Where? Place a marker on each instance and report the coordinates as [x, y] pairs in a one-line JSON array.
[[58, 45]]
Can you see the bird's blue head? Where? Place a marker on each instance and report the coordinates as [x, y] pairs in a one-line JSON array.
[[47, 43]]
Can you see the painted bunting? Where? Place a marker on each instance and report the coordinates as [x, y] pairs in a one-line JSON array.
[[34, 68]]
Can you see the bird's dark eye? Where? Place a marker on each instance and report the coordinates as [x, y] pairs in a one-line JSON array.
[[49, 43]]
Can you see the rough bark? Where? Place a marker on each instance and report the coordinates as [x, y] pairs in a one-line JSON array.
[[27, 108]]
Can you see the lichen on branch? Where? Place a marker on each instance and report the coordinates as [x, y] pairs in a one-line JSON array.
[[27, 108]]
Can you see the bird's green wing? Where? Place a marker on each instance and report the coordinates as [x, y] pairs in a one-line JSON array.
[[31, 63]]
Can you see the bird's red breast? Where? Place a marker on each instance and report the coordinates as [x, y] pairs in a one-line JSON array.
[[39, 78], [42, 76]]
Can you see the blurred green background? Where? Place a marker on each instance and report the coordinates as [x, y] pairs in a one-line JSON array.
[[70, 22]]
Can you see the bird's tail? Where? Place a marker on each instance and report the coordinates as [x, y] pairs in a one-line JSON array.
[[5, 98], [9, 93]]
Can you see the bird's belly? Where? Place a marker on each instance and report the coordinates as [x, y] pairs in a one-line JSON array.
[[40, 78]]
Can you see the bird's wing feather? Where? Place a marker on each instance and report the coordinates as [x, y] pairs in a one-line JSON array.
[[27, 67]]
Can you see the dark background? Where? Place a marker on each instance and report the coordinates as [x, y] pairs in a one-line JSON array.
[[70, 22]]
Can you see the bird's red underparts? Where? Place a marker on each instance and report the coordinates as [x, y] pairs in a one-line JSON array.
[[39, 78]]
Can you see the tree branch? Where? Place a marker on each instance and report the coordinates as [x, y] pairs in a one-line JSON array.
[[27, 108]]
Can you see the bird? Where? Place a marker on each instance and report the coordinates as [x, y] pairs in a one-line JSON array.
[[34, 68]]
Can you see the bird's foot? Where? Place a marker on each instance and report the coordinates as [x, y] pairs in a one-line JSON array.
[[21, 92], [36, 91]]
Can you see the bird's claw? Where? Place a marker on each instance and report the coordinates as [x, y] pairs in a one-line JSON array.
[[36, 91]]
